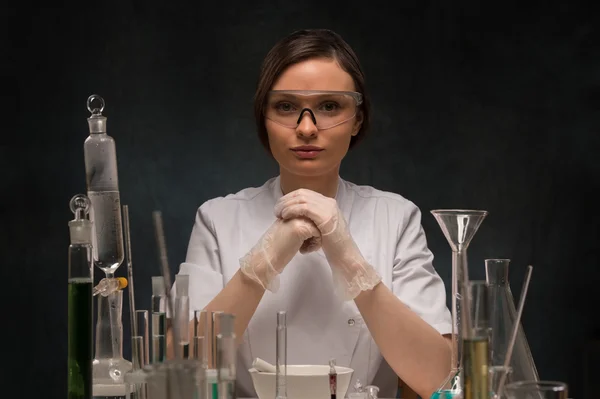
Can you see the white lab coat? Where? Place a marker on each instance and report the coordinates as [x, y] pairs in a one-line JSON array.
[[387, 229]]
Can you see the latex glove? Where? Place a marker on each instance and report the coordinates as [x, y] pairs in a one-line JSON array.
[[276, 248], [352, 274]]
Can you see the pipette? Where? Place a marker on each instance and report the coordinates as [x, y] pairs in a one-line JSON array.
[[281, 356]]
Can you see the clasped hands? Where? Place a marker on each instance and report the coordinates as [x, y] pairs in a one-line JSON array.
[[307, 221]]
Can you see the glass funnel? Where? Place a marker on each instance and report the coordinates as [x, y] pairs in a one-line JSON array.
[[503, 316], [109, 366], [459, 227]]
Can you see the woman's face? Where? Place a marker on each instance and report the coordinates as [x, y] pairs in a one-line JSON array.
[[306, 148]]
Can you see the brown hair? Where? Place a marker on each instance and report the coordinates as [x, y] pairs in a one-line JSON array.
[[301, 46]]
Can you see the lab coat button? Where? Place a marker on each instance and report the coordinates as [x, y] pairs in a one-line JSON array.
[[350, 322]]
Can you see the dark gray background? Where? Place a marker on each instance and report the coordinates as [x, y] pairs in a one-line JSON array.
[[492, 107]]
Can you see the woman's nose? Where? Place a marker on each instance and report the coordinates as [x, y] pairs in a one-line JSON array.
[[306, 127]]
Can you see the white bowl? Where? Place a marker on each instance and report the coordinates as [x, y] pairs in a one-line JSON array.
[[303, 382]]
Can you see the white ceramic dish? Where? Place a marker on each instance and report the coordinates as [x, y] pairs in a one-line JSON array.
[[303, 382]]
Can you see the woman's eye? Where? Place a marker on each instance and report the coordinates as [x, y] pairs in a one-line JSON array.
[[285, 107], [329, 107]]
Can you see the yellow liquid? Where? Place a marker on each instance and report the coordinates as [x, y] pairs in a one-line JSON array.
[[475, 362]]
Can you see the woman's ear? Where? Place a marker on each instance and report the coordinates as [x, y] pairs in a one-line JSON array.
[[357, 123]]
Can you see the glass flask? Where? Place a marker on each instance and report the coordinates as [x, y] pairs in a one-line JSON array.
[[495, 379], [503, 316], [459, 227], [109, 366]]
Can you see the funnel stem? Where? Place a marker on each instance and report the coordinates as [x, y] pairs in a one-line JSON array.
[[456, 341], [463, 286]]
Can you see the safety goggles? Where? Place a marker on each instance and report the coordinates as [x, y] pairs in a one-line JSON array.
[[326, 108]]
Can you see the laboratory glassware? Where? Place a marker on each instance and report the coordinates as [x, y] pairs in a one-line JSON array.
[[127, 238], [80, 324], [172, 379], [159, 321], [226, 357], [139, 342], [495, 376], [107, 286], [109, 365], [537, 390], [201, 329], [182, 313], [459, 227], [281, 356], [103, 190], [475, 343], [503, 318]]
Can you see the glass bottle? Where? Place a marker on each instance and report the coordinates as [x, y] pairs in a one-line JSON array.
[[503, 315]]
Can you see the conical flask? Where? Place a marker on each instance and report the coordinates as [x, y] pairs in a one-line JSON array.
[[503, 315], [459, 227]]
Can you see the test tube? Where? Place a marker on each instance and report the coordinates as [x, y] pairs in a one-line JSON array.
[[159, 321], [139, 342], [212, 375], [215, 330], [182, 313], [200, 353], [281, 356], [226, 358]]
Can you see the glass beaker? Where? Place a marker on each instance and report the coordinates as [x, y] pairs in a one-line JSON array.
[[171, 379], [109, 366], [503, 316], [459, 227], [537, 390]]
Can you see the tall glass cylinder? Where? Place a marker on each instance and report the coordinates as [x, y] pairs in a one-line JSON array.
[[459, 227], [475, 343], [281, 356], [80, 324]]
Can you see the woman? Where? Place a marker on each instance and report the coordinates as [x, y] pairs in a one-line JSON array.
[[348, 263]]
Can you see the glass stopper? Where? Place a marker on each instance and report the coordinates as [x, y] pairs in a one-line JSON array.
[[95, 104]]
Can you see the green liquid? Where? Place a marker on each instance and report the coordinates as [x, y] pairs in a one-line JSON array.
[[80, 352], [444, 394], [475, 352]]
